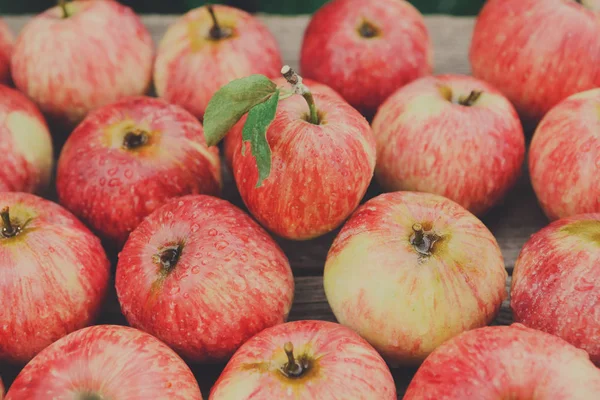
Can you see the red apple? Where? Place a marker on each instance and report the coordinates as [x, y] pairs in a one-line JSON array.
[[305, 360], [1, 389], [366, 49], [128, 158], [505, 362], [410, 270], [87, 55], [53, 275], [538, 52], [7, 42], [315, 87], [203, 277], [106, 362], [320, 172], [25, 144], [203, 51], [555, 286], [564, 157], [451, 135]]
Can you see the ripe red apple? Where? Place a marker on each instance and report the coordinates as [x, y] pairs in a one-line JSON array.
[[451, 135], [203, 277], [409, 271], [209, 47], [25, 144], [315, 87], [366, 49], [86, 55], [53, 275], [505, 362], [128, 158], [537, 52], [306, 360], [564, 157], [320, 172], [555, 286], [7, 42], [106, 362]]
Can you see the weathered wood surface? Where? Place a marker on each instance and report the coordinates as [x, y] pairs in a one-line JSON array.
[[512, 222]]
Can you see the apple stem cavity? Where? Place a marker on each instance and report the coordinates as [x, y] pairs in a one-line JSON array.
[[367, 30], [299, 88], [89, 396], [63, 5], [216, 31], [8, 229], [169, 257], [292, 369], [470, 99], [423, 241], [135, 139]]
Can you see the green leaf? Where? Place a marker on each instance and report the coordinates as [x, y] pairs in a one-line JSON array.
[[231, 102], [255, 132]]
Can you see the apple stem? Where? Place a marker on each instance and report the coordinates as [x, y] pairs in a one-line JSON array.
[[471, 98], [135, 139], [423, 241], [216, 32], [63, 6], [8, 230], [292, 368], [417, 234], [299, 88]]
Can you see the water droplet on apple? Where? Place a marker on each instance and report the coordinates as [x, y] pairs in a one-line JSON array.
[[240, 283], [204, 262], [180, 203], [585, 285], [221, 245], [113, 171], [114, 182], [274, 263], [196, 269], [174, 290], [212, 232], [195, 227], [169, 215], [186, 295], [128, 173], [243, 257], [102, 181]]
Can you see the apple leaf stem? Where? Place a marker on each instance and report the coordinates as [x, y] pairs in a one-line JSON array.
[[296, 81], [216, 31], [471, 98], [63, 5], [8, 229], [292, 368]]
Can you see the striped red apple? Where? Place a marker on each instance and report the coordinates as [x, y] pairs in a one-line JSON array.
[[555, 286], [7, 42], [409, 270], [305, 360], [451, 135], [106, 362], [564, 157], [203, 277], [53, 275], [207, 48], [80, 56], [505, 362], [128, 158], [25, 144]]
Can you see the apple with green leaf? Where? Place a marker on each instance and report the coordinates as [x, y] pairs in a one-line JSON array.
[[207, 48], [302, 163]]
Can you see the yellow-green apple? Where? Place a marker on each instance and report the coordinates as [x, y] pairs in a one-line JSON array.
[[305, 360], [505, 362], [366, 49], [537, 52], [209, 47], [409, 271], [203, 277], [25, 144], [7, 42], [53, 275], [451, 135], [128, 158], [322, 153], [564, 157], [556, 285], [106, 362], [315, 87], [80, 56]]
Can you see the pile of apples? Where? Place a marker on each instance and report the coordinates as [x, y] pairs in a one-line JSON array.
[[413, 277]]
